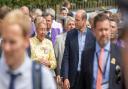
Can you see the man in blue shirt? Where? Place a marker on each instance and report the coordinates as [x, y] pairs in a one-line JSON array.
[[17, 71], [101, 63], [76, 42]]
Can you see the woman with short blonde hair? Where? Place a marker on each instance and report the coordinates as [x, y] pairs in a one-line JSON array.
[[42, 48]]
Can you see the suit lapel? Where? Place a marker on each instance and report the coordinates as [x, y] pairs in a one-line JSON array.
[[112, 65], [91, 63], [75, 46], [111, 59], [89, 66], [89, 40], [76, 43]]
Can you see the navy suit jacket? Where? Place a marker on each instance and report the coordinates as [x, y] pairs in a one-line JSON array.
[[87, 68], [71, 54]]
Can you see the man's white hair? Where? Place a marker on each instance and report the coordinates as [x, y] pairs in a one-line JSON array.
[[50, 11], [38, 12]]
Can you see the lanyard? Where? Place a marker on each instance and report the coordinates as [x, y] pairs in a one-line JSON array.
[[103, 72]]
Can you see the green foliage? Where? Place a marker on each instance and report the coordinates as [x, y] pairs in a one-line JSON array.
[[14, 3], [54, 3]]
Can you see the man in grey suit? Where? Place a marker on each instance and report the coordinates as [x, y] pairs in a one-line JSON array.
[[60, 44]]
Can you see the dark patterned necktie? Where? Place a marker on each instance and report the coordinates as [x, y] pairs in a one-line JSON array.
[[12, 80]]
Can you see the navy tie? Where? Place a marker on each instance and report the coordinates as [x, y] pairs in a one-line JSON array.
[[12, 81], [48, 34]]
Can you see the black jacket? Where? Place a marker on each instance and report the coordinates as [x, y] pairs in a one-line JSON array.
[[115, 82]]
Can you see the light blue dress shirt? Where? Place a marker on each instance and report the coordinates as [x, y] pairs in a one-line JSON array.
[[81, 41], [25, 80], [106, 62]]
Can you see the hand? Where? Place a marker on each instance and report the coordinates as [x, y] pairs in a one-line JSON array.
[[66, 84], [45, 62], [58, 79]]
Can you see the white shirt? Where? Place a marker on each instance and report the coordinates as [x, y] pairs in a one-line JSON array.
[[25, 80]]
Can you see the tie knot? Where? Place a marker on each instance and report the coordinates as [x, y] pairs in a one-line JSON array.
[[48, 33], [12, 80], [14, 76], [102, 50]]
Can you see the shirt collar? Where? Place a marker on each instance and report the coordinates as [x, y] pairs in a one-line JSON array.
[[106, 47], [82, 32], [38, 41], [21, 69]]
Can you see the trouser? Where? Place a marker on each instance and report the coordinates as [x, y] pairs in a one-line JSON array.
[[77, 84]]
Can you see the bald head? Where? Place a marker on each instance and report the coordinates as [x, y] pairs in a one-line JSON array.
[[25, 10]]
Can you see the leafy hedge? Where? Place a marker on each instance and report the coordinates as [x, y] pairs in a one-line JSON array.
[[56, 3], [30, 3]]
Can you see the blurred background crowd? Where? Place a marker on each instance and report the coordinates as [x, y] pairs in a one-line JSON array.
[[50, 49]]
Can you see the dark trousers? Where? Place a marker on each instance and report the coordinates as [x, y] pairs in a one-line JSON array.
[[77, 84]]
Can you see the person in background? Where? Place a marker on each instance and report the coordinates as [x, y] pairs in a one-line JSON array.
[[35, 13], [26, 11], [123, 43], [114, 28], [41, 48], [60, 44], [52, 32], [38, 12], [101, 64], [107, 13], [63, 12], [17, 71], [3, 11], [77, 40], [123, 7], [55, 24], [91, 20], [122, 38], [62, 16], [67, 4]]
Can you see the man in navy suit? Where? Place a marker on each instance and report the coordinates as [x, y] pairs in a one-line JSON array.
[[77, 41], [100, 68]]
